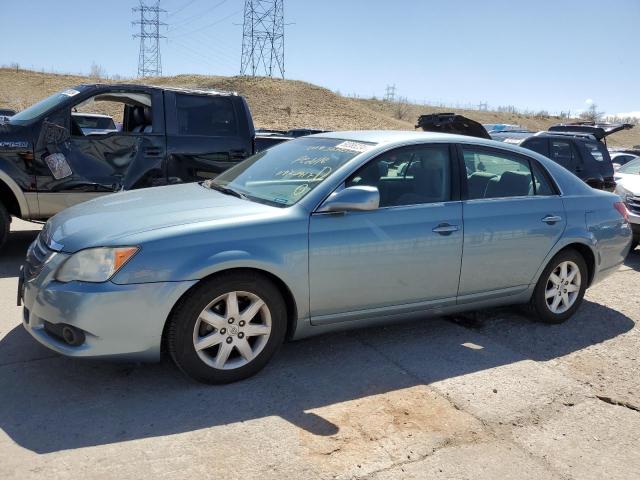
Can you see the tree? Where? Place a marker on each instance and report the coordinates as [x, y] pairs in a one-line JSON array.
[[97, 71], [592, 114]]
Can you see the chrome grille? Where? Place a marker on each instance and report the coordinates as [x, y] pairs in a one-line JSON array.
[[37, 256], [633, 203]]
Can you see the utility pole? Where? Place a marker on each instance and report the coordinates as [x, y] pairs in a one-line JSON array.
[[149, 60], [263, 38], [390, 93]]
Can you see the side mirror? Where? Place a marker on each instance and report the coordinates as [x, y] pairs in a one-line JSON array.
[[352, 199]]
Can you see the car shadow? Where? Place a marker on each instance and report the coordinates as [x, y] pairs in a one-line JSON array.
[[14, 251], [52, 403]]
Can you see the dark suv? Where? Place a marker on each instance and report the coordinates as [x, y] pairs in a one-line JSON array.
[[579, 147]]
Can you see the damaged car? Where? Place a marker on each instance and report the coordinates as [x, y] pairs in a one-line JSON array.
[[67, 149]]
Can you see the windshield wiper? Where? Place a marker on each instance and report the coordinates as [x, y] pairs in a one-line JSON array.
[[225, 190]]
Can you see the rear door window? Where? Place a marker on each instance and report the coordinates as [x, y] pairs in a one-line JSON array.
[[494, 174], [562, 152], [205, 115]]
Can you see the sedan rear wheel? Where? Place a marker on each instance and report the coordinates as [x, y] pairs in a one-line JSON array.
[[227, 328], [560, 289]]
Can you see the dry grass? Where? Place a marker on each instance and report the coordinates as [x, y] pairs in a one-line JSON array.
[[280, 104]]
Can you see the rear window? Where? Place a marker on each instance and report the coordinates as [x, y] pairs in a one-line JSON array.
[[596, 150], [205, 116]]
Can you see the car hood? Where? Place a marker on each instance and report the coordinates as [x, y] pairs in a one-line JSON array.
[[110, 219], [630, 182]]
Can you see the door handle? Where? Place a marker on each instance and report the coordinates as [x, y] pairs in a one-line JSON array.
[[446, 229], [551, 219]]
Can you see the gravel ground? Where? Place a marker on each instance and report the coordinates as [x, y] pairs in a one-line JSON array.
[[483, 396]]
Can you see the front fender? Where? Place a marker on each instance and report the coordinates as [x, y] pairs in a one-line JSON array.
[[280, 250]]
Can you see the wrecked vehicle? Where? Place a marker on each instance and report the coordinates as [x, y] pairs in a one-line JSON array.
[[51, 157], [579, 147]]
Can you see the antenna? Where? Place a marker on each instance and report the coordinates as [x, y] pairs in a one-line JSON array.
[[263, 38], [149, 60]]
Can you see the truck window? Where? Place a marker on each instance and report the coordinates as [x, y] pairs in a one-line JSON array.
[[112, 111], [206, 115], [537, 145]]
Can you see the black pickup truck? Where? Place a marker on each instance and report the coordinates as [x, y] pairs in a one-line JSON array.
[[166, 135]]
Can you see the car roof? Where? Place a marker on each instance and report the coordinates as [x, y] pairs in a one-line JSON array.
[[128, 86], [397, 138], [382, 137]]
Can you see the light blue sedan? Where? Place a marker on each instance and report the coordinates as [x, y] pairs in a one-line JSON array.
[[326, 232]]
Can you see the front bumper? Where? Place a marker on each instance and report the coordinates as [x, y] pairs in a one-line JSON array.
[[118, 321], [634, 222]]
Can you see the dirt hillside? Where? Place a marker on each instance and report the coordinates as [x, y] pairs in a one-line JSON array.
[[280, 104]]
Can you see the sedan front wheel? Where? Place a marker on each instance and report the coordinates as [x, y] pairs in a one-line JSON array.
[[227, 328]]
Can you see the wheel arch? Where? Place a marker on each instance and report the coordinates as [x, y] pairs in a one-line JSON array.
[[582, 247], [13, 197], [287, 295]]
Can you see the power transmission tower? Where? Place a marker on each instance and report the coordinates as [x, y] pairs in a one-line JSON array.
[[149, 60], [390, 93], [263, 38]]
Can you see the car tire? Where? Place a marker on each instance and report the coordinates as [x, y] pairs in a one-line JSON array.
[[5, 225], [560, 288], [214, 342]]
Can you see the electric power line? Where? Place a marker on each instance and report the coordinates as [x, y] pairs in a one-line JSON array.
[[204, 27], [178, 10], [149, 59], [185, 22]]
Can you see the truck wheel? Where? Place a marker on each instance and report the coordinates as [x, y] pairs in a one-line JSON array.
[[560, 289], [5, 224], [227, 328]]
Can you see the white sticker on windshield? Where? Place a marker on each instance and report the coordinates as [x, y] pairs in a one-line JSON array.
[[354, 146], [70, 93]]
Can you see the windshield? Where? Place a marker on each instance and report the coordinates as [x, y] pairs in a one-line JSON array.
[[37, 109], [633, 167], [284, 174]]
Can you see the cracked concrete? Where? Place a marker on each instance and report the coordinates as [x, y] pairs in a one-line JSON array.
[[496, 397]]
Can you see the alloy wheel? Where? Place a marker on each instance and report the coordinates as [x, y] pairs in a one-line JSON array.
[[232, 330], [563, 287]]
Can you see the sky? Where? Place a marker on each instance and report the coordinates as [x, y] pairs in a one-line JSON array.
[[554, 55]]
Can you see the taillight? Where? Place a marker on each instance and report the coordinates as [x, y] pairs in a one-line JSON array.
[[622, 209]]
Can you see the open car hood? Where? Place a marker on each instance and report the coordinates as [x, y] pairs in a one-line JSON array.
[[598, 130], [452, 123]]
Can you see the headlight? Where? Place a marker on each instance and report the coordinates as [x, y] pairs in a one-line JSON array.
[[94, 264]]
